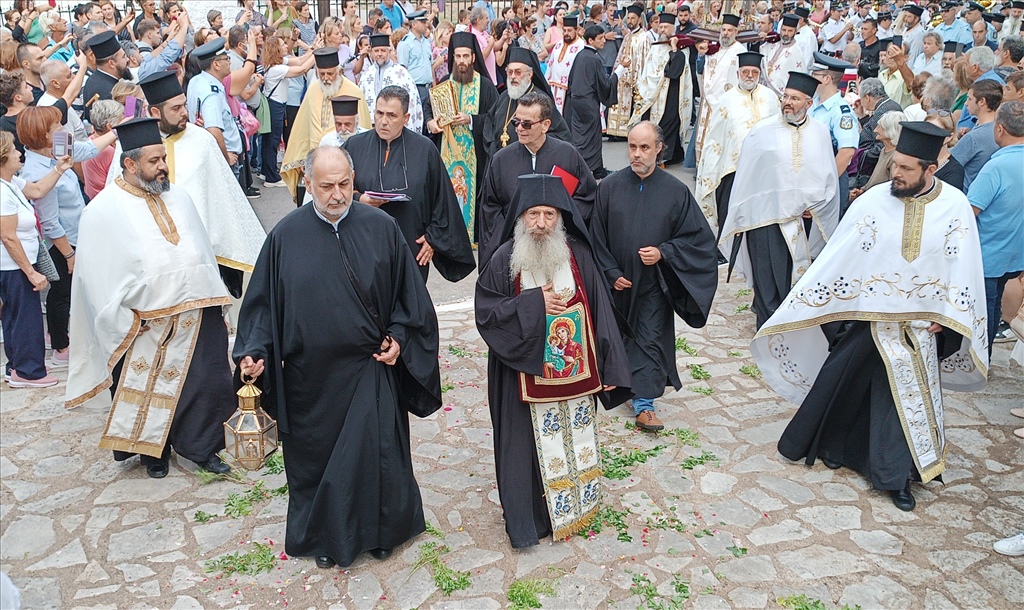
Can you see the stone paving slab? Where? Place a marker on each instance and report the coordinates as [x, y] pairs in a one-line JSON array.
[[742, 529]]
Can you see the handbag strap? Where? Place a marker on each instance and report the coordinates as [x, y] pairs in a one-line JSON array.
[[364, 298]]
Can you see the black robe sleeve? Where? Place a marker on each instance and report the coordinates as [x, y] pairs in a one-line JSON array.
[[599, 233], [688, 270], [676, 64], [489, 211], [446, 232]]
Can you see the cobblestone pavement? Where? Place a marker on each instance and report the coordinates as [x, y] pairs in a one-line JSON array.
[[730, 517]]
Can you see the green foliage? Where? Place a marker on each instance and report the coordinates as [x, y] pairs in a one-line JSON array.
[[802, 602], [734, 354], [607, 515], [447, 385], [684, 436], [616, 463], [275, 463], [698, 372], [751, 370], [681, 344], [446, 579], [651, 599], [201, 517], [737, 551], [433, 531], [742, 308], [705, 457], [702, 533], [279, 491], [460, 352], [744, 292], [240, 505], [206, 477], [703, 390], [661, 522], [261, 559], [526, 593]]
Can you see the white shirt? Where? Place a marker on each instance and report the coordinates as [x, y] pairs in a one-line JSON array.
[[932, 66], [828, 31], [275, 84], [74, 123], [14, 202]]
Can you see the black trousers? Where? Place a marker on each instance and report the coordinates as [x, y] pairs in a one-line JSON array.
[[58, 302]]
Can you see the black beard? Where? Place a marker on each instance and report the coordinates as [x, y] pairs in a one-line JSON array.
[[126, 74], [464, 76], [171, 129], [911, 190]]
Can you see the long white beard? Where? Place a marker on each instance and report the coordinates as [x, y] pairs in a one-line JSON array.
[[333, 89], [541, 257], [517, 91], [747, 86]]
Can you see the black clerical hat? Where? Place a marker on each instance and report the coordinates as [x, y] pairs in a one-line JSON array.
[[522, 55], [921, 139], [802, 11], [666, 18], [729, 19], [750, 58], [952, 46], [104, 45], [805, 83], [211, 49], [326, 58], [827, 62], [466, 40], [683, 7], [914, 10], [137, 133], [345, 105], [160, 87], [996, 17], [571, 22], [790, 20], [636, 10], [543, 189], [381, 40], [1017, 4]]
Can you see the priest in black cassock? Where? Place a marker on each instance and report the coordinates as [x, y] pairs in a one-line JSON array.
[[667, 87], [339, 317], [401, 172], [522, 75], [658, 253], [111, 66], [543, 309], [535, 152], [590, 87], [462, 140]]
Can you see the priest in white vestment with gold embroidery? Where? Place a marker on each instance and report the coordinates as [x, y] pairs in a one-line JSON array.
[[635, 48], [784, 202], [890, 314], [737, 112], [560, 60], [784, 56], [146, 315], [719, 74]]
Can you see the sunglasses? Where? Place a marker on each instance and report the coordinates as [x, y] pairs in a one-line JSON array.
[[526, 125]]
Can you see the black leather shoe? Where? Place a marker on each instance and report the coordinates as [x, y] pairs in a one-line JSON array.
[[157, 469], [325, 562], [215, 465], [831, 464], [903, 499], [381, 553]]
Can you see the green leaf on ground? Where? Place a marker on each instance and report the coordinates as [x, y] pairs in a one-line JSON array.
[[274, 463], [703, 390], [651, 599], [447, 385], [734, 354], [446, 579], [742, 308], [526, 593], [685, 436], [751, 370], [705, 457], [201, 517], [802, 602], [744, 292], [433, 531], [698, 372], [737, 551], [682, 345], [260, 559], [616, 463]]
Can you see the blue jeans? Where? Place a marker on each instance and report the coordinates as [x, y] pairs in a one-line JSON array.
[[993, 299], [270, 142], [23, 325], [642, 404]]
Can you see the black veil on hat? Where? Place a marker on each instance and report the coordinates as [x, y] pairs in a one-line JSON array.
[[521, 55], [466, 40], [544, 189]]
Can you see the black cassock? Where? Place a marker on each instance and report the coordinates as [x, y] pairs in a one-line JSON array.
[[502, 178], [849, 416], [99, 84], [488, 96], [342, 416], [498, 121], [414, 167], [589, 87], [671, 122], [630, 214], [514, 326], [771, 268]]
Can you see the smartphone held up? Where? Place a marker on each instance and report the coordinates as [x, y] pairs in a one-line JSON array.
[[63, 144]]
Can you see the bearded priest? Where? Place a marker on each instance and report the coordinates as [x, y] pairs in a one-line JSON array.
[[315, 117], [146, 315], [890, 313], [544, 311], [720, 74]]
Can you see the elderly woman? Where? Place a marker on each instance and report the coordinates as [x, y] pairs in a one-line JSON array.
[[20, 283], [58, 211], [105, 114], [888, 133]]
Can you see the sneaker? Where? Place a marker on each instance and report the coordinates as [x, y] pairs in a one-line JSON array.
[[59, 359], [278, 184], [1003, 333], [45, 382], [252, 192], [649, 422], [7, 375], [1012, 546]]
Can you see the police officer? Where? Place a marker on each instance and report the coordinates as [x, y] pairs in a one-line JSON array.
[[832, 111], [207, 98], [952, 28]]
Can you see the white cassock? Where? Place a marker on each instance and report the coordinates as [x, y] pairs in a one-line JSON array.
[[373, 78], [636, 47], [779, 61], [899, 264], [720, 75], [731, 120], [652, 88], [560, 62], [808, 41], [780, 176]]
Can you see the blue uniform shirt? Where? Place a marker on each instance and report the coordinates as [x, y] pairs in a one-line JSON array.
[[958, 31], [842, 124], [206, 96], [416, 55]]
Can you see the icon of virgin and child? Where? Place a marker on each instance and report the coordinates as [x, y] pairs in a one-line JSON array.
[[563, 354]]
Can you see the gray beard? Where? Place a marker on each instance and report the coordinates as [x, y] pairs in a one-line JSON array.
[[748, 86], [542, 257], [517, 91], [795, 118], [155, 186], [333, 89], [726, 41]]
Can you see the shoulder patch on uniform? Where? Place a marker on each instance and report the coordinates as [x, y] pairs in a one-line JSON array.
[[214, 89], [846, 122], [844, 108]]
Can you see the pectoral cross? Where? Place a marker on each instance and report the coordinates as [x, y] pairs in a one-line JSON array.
[[504, 139]]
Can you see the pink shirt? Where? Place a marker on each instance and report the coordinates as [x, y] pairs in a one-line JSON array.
[[95, 170], [484, 39]]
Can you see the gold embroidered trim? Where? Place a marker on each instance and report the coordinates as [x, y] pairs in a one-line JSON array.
[[169, 143], [157, 208], [913, 221]]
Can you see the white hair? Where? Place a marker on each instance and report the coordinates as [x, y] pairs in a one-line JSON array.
[[983, 57], [890, 124], [51, 69], [541, 256]]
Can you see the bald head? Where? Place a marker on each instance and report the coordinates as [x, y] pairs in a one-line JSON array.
[[329, 179], [645, 144]]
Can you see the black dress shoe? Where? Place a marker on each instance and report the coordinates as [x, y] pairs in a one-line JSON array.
[[157, 469], [903, 499], [381, 553], [831, 464], [215, 465], [325, 562]]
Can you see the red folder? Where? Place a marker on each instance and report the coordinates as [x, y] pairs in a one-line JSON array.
[[568, 179]]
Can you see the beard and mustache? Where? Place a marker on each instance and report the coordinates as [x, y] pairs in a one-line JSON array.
[[538, 251], [519, 90], [903, 189], [156, 184], [333, 89], [748, 85], [462, 74]]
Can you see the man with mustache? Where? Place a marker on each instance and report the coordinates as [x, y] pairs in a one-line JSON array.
[[543, 288], [346, 123], [780, 181], [891, 312], [784, 56], [720, 73], [635, 47], [590, 89], [146, 315], [560, 60], [315, 117], [382, 72], [111, 66]]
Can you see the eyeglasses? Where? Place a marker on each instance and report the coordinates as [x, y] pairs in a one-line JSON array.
[[937, 112], [514, 73], [794, 99], [526, 125]]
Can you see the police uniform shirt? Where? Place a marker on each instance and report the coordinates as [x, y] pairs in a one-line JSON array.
[[836, 114], [416, 55], [958, 31], [206, 96], [828, 31]]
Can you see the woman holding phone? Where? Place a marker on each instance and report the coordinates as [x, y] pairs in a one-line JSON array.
[[58, 210], [278, 68]]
